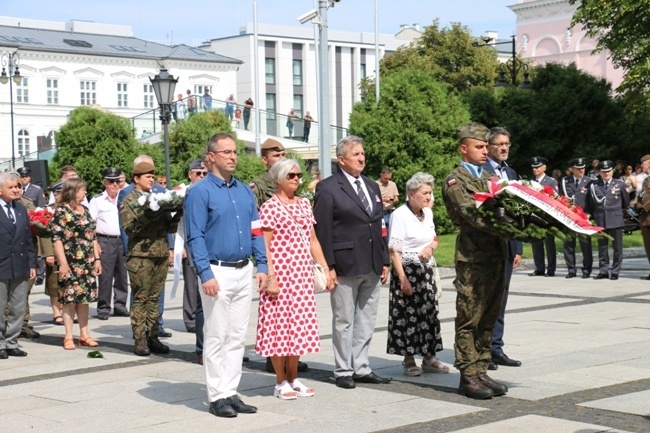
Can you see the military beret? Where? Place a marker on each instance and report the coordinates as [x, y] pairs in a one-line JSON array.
[[606, 165], [24, 171], [271, 144], [143, 168], [111, 173], [197, 164], [538, 161], [645, 157], [57, 187], [578, 163], [473, 130]]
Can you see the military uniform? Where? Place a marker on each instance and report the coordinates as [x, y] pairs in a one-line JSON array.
[[577, 191], [606, 202], [147, 261], [643, 205], [263, 188]]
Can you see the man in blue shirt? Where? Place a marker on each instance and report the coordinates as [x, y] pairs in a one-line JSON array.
[[223, 230]]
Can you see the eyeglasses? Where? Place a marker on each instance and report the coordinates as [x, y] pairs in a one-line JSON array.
[[163, 183], [227, 152], [111, 181], [200, 173], [294, 175], [500, 144]]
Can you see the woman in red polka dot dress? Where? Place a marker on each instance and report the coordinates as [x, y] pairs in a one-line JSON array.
[[287, 324]]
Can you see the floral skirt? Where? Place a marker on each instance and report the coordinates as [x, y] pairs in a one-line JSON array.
[[413, 323]]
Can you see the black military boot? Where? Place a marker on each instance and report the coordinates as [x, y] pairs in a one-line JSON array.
[[496, 387], [472, 387], [156, 346], [141, 348]]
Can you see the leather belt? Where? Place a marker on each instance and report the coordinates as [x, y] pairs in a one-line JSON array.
[[100, 235], [237, 265]]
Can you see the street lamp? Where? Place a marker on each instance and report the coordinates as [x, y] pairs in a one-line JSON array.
[[511, 68], [163, 86], [10, 70]]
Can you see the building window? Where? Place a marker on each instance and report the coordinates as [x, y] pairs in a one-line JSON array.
[[269, 68], [362, 71], [23, 142], [88, 94], [297, 72], [200, 89], [270, 106], [297, 104], [22, 91], [52, 85], [122, 95], [149, 96]]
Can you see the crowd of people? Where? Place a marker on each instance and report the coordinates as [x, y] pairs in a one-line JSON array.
[[356, 229]]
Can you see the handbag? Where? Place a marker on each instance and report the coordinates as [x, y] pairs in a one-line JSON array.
[[320, 276]]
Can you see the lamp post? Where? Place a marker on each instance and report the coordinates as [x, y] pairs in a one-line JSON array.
[[164, 85], [512, 67], [10, 70]]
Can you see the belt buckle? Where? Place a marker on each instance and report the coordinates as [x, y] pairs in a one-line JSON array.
[[240, 264]]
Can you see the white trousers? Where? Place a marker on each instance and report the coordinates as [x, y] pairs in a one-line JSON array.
[[224, 330]]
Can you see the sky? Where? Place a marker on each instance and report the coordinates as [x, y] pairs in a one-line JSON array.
[[196, 21]]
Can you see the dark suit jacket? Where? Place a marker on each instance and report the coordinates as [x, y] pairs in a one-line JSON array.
[[514, 247], [35, 194], [352, 240], [607, 206], [17, 254]]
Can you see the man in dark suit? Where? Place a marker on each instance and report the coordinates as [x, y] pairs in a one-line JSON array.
[[606, 201], [17, 261], [576, 189], [539, 175], [498, 151], [350, 228]]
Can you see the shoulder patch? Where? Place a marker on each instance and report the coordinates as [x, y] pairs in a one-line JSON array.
[[451, 182], [251, 185]]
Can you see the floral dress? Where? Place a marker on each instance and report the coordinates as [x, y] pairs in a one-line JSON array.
[[77, 233], [287, 324]]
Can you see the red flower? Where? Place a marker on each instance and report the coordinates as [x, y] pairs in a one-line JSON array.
[[565, 201], [580, 212], [39, 221], [549, 191]]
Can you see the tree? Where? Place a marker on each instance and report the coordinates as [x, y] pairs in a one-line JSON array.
[[623, 28], [94, 139], [411, 129]]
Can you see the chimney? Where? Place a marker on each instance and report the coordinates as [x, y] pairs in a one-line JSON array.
[[416, 26]]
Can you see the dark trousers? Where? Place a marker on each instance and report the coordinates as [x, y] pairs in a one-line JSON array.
[[603, 252], [538, 254], [247, 118], [113, 282], [499, 325], [200, 321], [190, 293], [305, 134], [645, 232], [570, 254]]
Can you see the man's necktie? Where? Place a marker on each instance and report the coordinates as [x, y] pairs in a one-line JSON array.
[[362, 196], [11, 216]]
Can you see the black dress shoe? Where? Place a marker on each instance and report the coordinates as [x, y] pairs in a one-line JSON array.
[[345, 382], [163, 333], [586, 274], [156, 346], [191, 330], [496, 387], [4, 354], [102, 316], [550, 274], [502, 359], [571, 275], [121, 313], [613, 277], [372, 378], [16, 352], [240, 406], [646, 278], [536, 274], [601, 277], [492, 366], [25, 332], [222, 408]]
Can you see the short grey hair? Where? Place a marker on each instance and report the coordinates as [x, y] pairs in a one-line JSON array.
[[6, 177], [281, 169], [142, 158], [495, 132], [417, 180], [346, 143]]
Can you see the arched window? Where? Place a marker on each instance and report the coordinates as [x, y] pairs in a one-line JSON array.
[[23, 142]]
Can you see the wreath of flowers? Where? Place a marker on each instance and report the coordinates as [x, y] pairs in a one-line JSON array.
[[39, 222], [170, 200]]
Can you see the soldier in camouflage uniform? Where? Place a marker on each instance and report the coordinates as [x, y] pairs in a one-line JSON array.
[[643, 207], [480, 266], [264, 187], [148, 257]]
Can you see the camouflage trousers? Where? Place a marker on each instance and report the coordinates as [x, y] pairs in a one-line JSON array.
[[479, 292], [147, 276]]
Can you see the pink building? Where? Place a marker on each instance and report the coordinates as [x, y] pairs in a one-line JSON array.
[[544, 34]]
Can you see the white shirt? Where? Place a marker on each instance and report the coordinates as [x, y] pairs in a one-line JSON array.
[[104, 211], [353, 180], [408, 235]]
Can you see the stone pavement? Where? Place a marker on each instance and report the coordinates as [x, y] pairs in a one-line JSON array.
[[584, 345]]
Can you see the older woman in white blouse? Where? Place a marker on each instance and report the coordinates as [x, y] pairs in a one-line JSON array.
[[413, 324]]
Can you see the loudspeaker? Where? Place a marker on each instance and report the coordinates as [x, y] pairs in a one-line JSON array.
[[40, 173]]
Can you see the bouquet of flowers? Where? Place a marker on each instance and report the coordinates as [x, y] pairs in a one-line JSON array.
[[170, 200], [529, 211], [39, 222]]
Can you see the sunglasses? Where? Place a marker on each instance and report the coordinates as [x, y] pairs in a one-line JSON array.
[[294, 175], [201, 173], [113, 180]]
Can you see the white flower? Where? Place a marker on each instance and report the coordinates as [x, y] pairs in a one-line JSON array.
[[154, 206], [142, 200]]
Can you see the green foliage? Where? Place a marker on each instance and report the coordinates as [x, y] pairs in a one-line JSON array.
[[411, 129], [92, 140]]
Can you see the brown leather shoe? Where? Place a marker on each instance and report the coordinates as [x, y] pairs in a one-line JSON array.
[[156, 346], [496, 387], [472, 387], [141, 348]]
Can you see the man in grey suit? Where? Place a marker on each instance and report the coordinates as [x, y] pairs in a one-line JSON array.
[[16, 263], [539, 175], [349, 217]]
